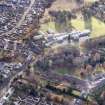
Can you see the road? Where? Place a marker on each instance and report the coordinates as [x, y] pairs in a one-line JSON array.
[[22, 19], [25, 13]]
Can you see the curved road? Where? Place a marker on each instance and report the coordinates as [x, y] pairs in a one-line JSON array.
[[5, 90]]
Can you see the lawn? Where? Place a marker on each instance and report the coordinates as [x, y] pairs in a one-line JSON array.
[[48, 26], [62, 71], [98, 27]]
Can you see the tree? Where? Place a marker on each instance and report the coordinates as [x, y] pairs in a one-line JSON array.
[[1, 78], [87, 18]]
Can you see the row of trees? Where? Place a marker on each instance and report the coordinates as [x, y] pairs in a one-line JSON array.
[[62, 19], [64, 58]]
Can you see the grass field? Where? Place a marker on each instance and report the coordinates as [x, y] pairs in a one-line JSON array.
[[62, 71], [47, 26], [98, 27]]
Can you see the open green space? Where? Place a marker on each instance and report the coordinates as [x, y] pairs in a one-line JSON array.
[[62, 71], [47, 26], [98, 27]]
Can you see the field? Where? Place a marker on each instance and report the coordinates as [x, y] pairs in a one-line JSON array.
[[98, 27], [62, 71]]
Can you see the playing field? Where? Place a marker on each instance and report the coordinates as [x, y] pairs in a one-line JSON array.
[[98, 27], [63, 71]]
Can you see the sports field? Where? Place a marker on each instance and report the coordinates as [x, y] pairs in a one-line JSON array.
[[98, 27]]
